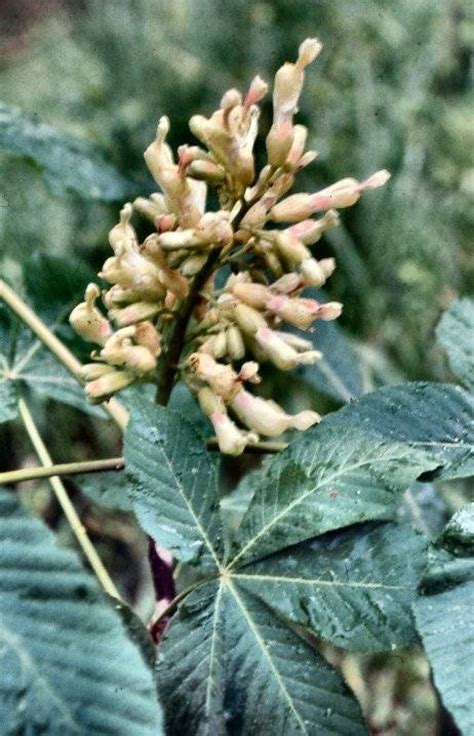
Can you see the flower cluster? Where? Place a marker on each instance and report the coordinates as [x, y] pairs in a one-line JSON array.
[[265, 240]]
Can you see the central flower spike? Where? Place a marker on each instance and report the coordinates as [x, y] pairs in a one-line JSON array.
[[265, 236]]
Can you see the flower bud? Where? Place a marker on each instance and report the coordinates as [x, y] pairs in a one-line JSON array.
[[280, 353], [287, 284], [231, 439], [235, 343], [119, 350], [221, 378], [123, 235], [193, 264], [298, 312], [209, 401], [87, 321], [257, 90], [300, 134], [329, 311], [91, 371], [248, 319], [292, 209], [207, 171], [266, 417], [103, 388], [328, 266], [312, 272], [292, 249], [310, 231], [134, 313], [255, 295], [249, 372], [149, 208], [148, 336]]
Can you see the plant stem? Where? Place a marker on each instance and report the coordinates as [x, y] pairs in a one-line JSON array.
[[87, 466], [66, 505], [56, 347], [169, 359], [257, 448]]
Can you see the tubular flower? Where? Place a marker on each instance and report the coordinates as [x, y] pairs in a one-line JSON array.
[[165, 288]]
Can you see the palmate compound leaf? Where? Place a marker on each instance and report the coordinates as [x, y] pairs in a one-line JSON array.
[[67, 665], [68, 165], [443, 612], [355, 464], [455, 333], [228, 665], [174, 483]]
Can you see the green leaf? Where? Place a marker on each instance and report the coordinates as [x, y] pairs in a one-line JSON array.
[[352, 587], [355, 464], [337, 373], [68, 164], [443, 613], [455, 334], [174, 483], [433, 417], [67, 664], [325, 481], [228, 665]]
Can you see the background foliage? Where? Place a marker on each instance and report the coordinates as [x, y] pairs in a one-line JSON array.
[[82, 85]]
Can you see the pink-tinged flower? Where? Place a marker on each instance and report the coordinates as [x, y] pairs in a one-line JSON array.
[[281, 353], [134, 313], [310, 231], [87, 321], [266, 417], [286, 92], [102, 388], [346, 192], [222, 379], [298, 312]]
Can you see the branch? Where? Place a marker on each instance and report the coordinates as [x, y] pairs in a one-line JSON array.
[[66, 505], [87, 466], [56, 347], [168, 363]]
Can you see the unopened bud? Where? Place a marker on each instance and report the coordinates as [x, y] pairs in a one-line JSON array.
[[87, 321], [103, 388], [255, 295], [149, 208], [298, 312], [280, 353], [266, 417], [123, 235], [91, 371], [231, 439], [257, 90], [312, 272], [329, 311], [209, 401], [292, 209], [248, 319], [310, 231], [235, 343], [134, 313]]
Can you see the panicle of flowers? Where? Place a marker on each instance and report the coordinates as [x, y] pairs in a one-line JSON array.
[[266, 240]]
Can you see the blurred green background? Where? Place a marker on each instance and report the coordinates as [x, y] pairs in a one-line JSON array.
[[391, 89]]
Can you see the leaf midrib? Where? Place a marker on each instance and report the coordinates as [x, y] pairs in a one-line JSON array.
[[254, 629]]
